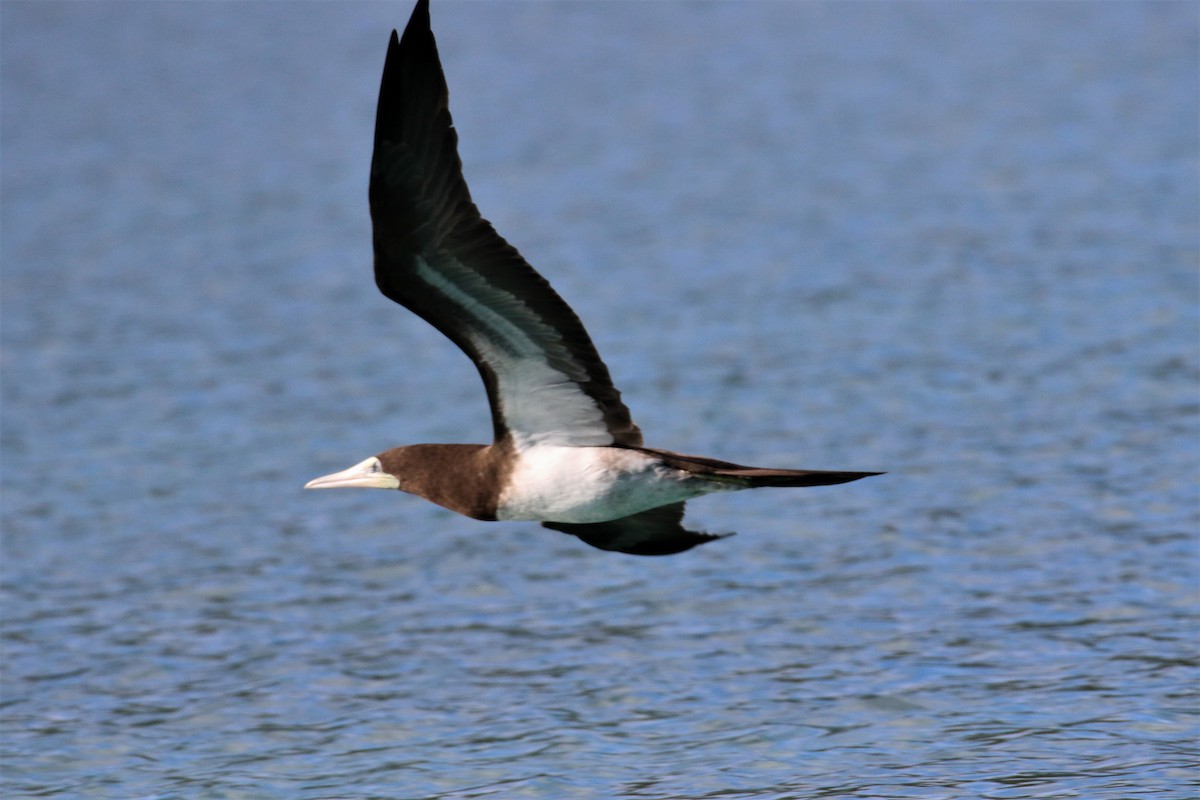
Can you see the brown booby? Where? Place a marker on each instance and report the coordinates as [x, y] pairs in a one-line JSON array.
[[566, 452]]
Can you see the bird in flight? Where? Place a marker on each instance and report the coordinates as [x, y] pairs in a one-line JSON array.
[[565, 452]]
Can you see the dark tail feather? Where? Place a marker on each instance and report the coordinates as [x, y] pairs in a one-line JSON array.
[[753, 477]]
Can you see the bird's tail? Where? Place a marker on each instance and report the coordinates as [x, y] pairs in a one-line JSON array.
[[753, 477]]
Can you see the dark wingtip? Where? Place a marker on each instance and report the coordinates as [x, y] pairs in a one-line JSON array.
[[420, 13], [412, 83], [418, 24], [693, 539]]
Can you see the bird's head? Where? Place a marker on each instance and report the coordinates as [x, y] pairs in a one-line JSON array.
[[460, 477]]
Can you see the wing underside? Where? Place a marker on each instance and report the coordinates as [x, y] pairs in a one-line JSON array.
[[657, 532], [438, 257]]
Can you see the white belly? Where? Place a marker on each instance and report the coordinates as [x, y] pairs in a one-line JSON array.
[[592, 484]]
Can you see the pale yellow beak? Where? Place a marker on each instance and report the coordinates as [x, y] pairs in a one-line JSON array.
[[367, 474]]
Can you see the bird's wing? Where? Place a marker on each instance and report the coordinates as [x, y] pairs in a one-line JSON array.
[[435, 255], [657, 532]]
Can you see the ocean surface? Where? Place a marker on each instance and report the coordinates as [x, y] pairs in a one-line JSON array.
[[952, 241]]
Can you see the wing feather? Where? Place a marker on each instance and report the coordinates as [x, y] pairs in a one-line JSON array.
[[437, 256], [657, 532]]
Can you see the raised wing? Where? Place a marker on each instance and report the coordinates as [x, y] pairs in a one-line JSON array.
[[435, 255], [657, 532]]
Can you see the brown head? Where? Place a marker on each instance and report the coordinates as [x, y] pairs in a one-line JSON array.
[[461, 477]]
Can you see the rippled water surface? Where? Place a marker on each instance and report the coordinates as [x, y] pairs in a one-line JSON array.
[[956, 242]]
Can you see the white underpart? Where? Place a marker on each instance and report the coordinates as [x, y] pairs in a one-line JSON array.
[[541, 405], [592, 484]]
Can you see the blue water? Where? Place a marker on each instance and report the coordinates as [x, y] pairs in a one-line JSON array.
[[956, 242]]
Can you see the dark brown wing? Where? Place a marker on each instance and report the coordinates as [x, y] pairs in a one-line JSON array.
[[435, 255], [657, 532]]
